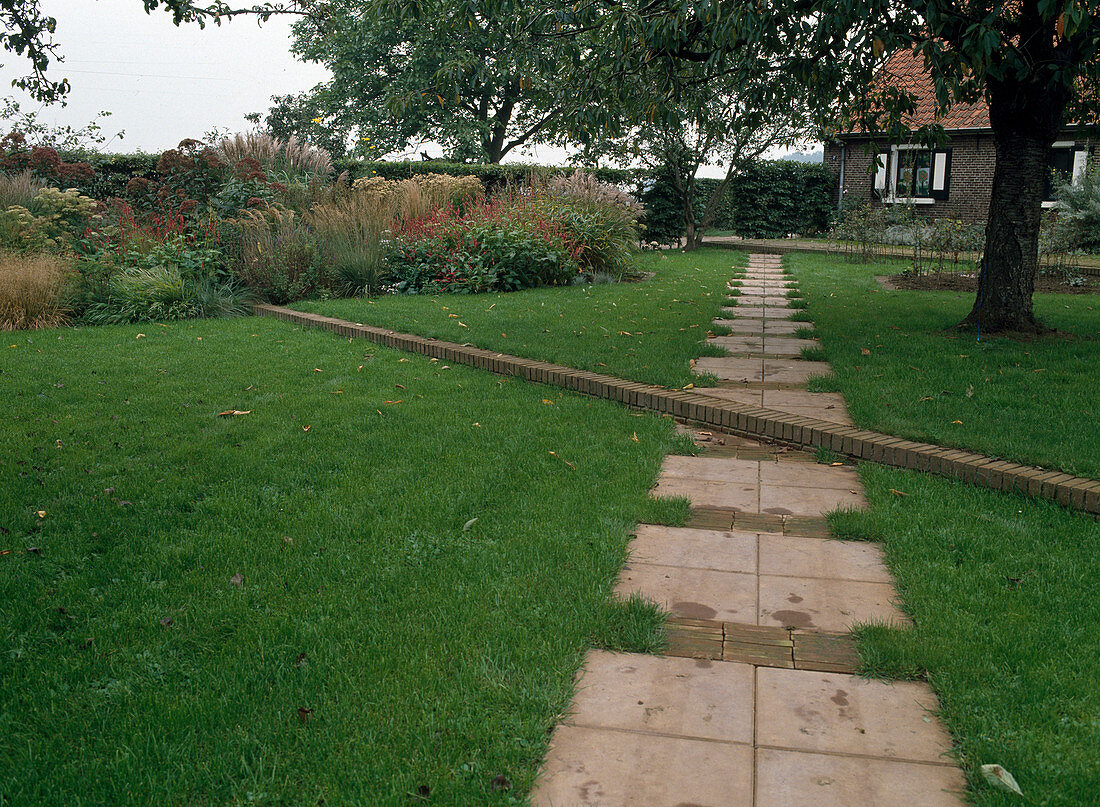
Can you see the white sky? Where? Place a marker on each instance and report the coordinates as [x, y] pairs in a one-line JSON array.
[[162, 84]]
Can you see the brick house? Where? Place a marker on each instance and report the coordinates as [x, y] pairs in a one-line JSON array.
[[953, 181]]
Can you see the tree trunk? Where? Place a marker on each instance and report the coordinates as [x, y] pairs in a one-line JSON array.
[[1025, 123], [692, 236]]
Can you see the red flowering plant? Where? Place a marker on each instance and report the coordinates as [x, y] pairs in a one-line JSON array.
[[491, 246]]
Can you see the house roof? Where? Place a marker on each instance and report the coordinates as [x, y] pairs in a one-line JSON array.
[[906, 71]]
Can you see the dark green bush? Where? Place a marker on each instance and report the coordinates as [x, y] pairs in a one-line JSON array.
[[769, 199]]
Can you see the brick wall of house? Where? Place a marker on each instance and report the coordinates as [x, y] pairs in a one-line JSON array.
[[971, 180]]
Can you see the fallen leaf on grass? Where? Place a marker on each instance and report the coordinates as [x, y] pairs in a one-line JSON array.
[[468, 524], [40, 513], [864, 351], [166, 622], [306, 428], [237, 580], [336, 392], [304, 714], [548, 402], [400, 386], [140, 336], [1001, 779], [392, 402], [234, 412], [957, 421], [634, 437], [301, 660], [500, 782], [898, 492], [287, 539]]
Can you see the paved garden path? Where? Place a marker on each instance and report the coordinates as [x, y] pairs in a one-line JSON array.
[[754, 703]]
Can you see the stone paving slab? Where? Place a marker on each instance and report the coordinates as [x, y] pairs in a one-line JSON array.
[[710, 469], [718, 550], [693, 593], [758, 312], [792, 371], [592, 766], [774, 326], [842, 714], [785, 500], [797, 779], [798, 556], [808, 475], [744, 496], [829, 605], [670, 696]]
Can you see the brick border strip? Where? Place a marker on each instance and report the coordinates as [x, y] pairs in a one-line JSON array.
[[761, 645], [749, 421]]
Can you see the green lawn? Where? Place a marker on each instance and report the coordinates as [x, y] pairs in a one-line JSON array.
[[295, 605], [645, 331], [902, 372], [1004, 592]]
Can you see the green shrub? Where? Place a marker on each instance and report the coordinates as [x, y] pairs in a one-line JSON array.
[[495, 247]]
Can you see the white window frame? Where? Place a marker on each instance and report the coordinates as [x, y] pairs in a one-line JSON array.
[[892, 197], [1080, 163]]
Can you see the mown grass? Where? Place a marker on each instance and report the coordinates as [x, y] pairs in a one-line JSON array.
[[1004, 592], [903, 370], [646, 331], [296, 605]]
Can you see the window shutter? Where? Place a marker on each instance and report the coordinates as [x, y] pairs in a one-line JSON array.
[[941, 174], [882, 159], [1080, 161]]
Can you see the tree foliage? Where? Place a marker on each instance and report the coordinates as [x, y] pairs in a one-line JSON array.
[[480, 80]]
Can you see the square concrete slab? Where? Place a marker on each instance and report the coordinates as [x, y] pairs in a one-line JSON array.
[[671, 696], [745, 311], [792, 371], [797, 779], [782, 500], [797, 556], [787, 344], [831, 605], [589, 767], [731, 368], [726, 551], [783, 326], [734, 496], [692, 593], [800, 710], [809, 475], [740, 344], [710, 469]]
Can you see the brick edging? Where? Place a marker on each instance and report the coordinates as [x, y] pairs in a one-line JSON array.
[[749, 421]]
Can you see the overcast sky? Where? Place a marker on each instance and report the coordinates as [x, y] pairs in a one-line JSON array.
[[162, 84]]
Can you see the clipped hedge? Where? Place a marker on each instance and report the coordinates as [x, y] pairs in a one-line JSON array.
[[113, 171], [769, 199], [494, 177], [776, 198]]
